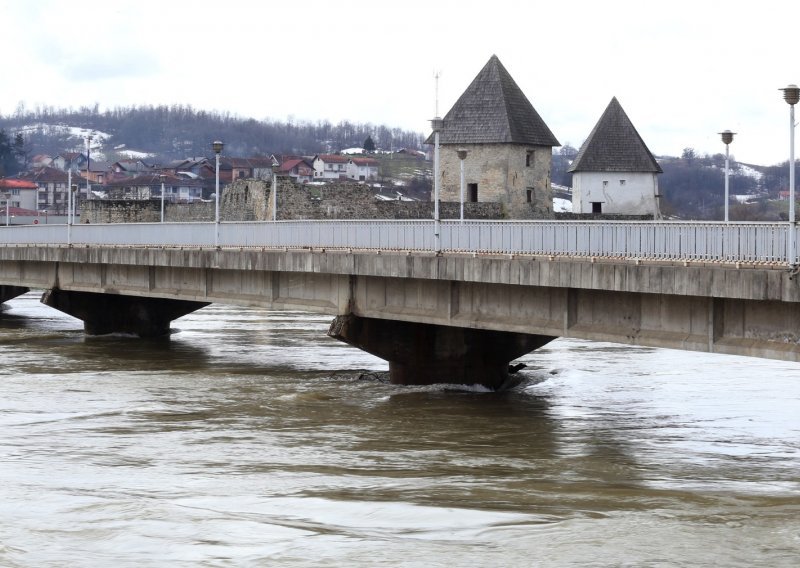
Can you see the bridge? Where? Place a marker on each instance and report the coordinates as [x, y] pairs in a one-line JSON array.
[[448, 301]]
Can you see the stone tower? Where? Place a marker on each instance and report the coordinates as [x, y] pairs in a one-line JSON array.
[[509, 147]]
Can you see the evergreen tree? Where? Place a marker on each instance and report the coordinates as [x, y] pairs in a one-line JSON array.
[[8, 163], [369, 145]]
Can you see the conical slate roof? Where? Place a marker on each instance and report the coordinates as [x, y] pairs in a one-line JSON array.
[[494, 110], [614, 146]]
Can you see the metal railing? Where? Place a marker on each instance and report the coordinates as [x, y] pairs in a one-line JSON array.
[[668, 240]]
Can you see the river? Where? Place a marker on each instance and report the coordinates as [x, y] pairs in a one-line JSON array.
[[249, 438]]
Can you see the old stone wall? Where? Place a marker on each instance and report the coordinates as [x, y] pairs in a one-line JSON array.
[[120, 211], [251, 200], [246, 200], [189, 212], [143, 211]]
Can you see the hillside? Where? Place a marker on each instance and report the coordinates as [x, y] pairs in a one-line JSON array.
[[166, 133]]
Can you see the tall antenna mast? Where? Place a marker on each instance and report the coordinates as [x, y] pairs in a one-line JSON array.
[[436, 76]]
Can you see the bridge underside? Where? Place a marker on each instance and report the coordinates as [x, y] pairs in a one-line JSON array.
[[753, 311]]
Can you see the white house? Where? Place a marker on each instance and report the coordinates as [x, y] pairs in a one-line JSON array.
[[362, 169], [330, 166], [19, 193], [614, 172]]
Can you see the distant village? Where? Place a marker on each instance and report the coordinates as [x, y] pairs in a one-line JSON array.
[[43, 188], [494, 149]]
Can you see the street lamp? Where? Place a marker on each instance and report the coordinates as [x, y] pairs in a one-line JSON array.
[[70, 210], [462, 155], [727, 138], [791, 94], [217, 147], [436, 124], [162, 176], [88, 164], [275, 168]]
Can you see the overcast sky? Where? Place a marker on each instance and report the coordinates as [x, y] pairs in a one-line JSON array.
[[682, 70]]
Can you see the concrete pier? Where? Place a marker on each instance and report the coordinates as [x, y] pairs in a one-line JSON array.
[[11, 292], [113, 313], [424, 354]]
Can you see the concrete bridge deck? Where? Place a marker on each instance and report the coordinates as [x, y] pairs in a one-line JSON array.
[[733, 306]]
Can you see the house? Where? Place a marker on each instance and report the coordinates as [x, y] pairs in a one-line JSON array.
[[298, 169], [131, 167], [19, 193], [69, 161], [508, 146], [362, 169], [330, 166], [240, 167], [177, 189], [262, 166], [248, 168], [52, 184], [614, 171], [97, 172]]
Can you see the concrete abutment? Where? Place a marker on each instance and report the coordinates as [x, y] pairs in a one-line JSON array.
[[423, 354], [115, 313]]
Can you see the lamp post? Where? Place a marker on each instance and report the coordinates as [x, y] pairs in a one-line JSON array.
[[727, 138], [436, 124], [88, 164], [70, 210], [217, 147], [162, 176], [791, 94], [462, 155], [275, 168]]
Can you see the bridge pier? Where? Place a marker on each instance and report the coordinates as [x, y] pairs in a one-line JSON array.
[[424, 354], [11, 292], [115, 313]]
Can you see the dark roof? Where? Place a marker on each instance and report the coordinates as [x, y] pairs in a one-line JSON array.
[[494, 110], [46, 174], [614, 146]]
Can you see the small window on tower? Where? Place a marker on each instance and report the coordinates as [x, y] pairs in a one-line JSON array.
[[622, 182], [529, 158]]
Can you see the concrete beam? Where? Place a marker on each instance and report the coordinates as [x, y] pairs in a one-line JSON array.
[[422, 354], [746, 310], [113, 313]]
